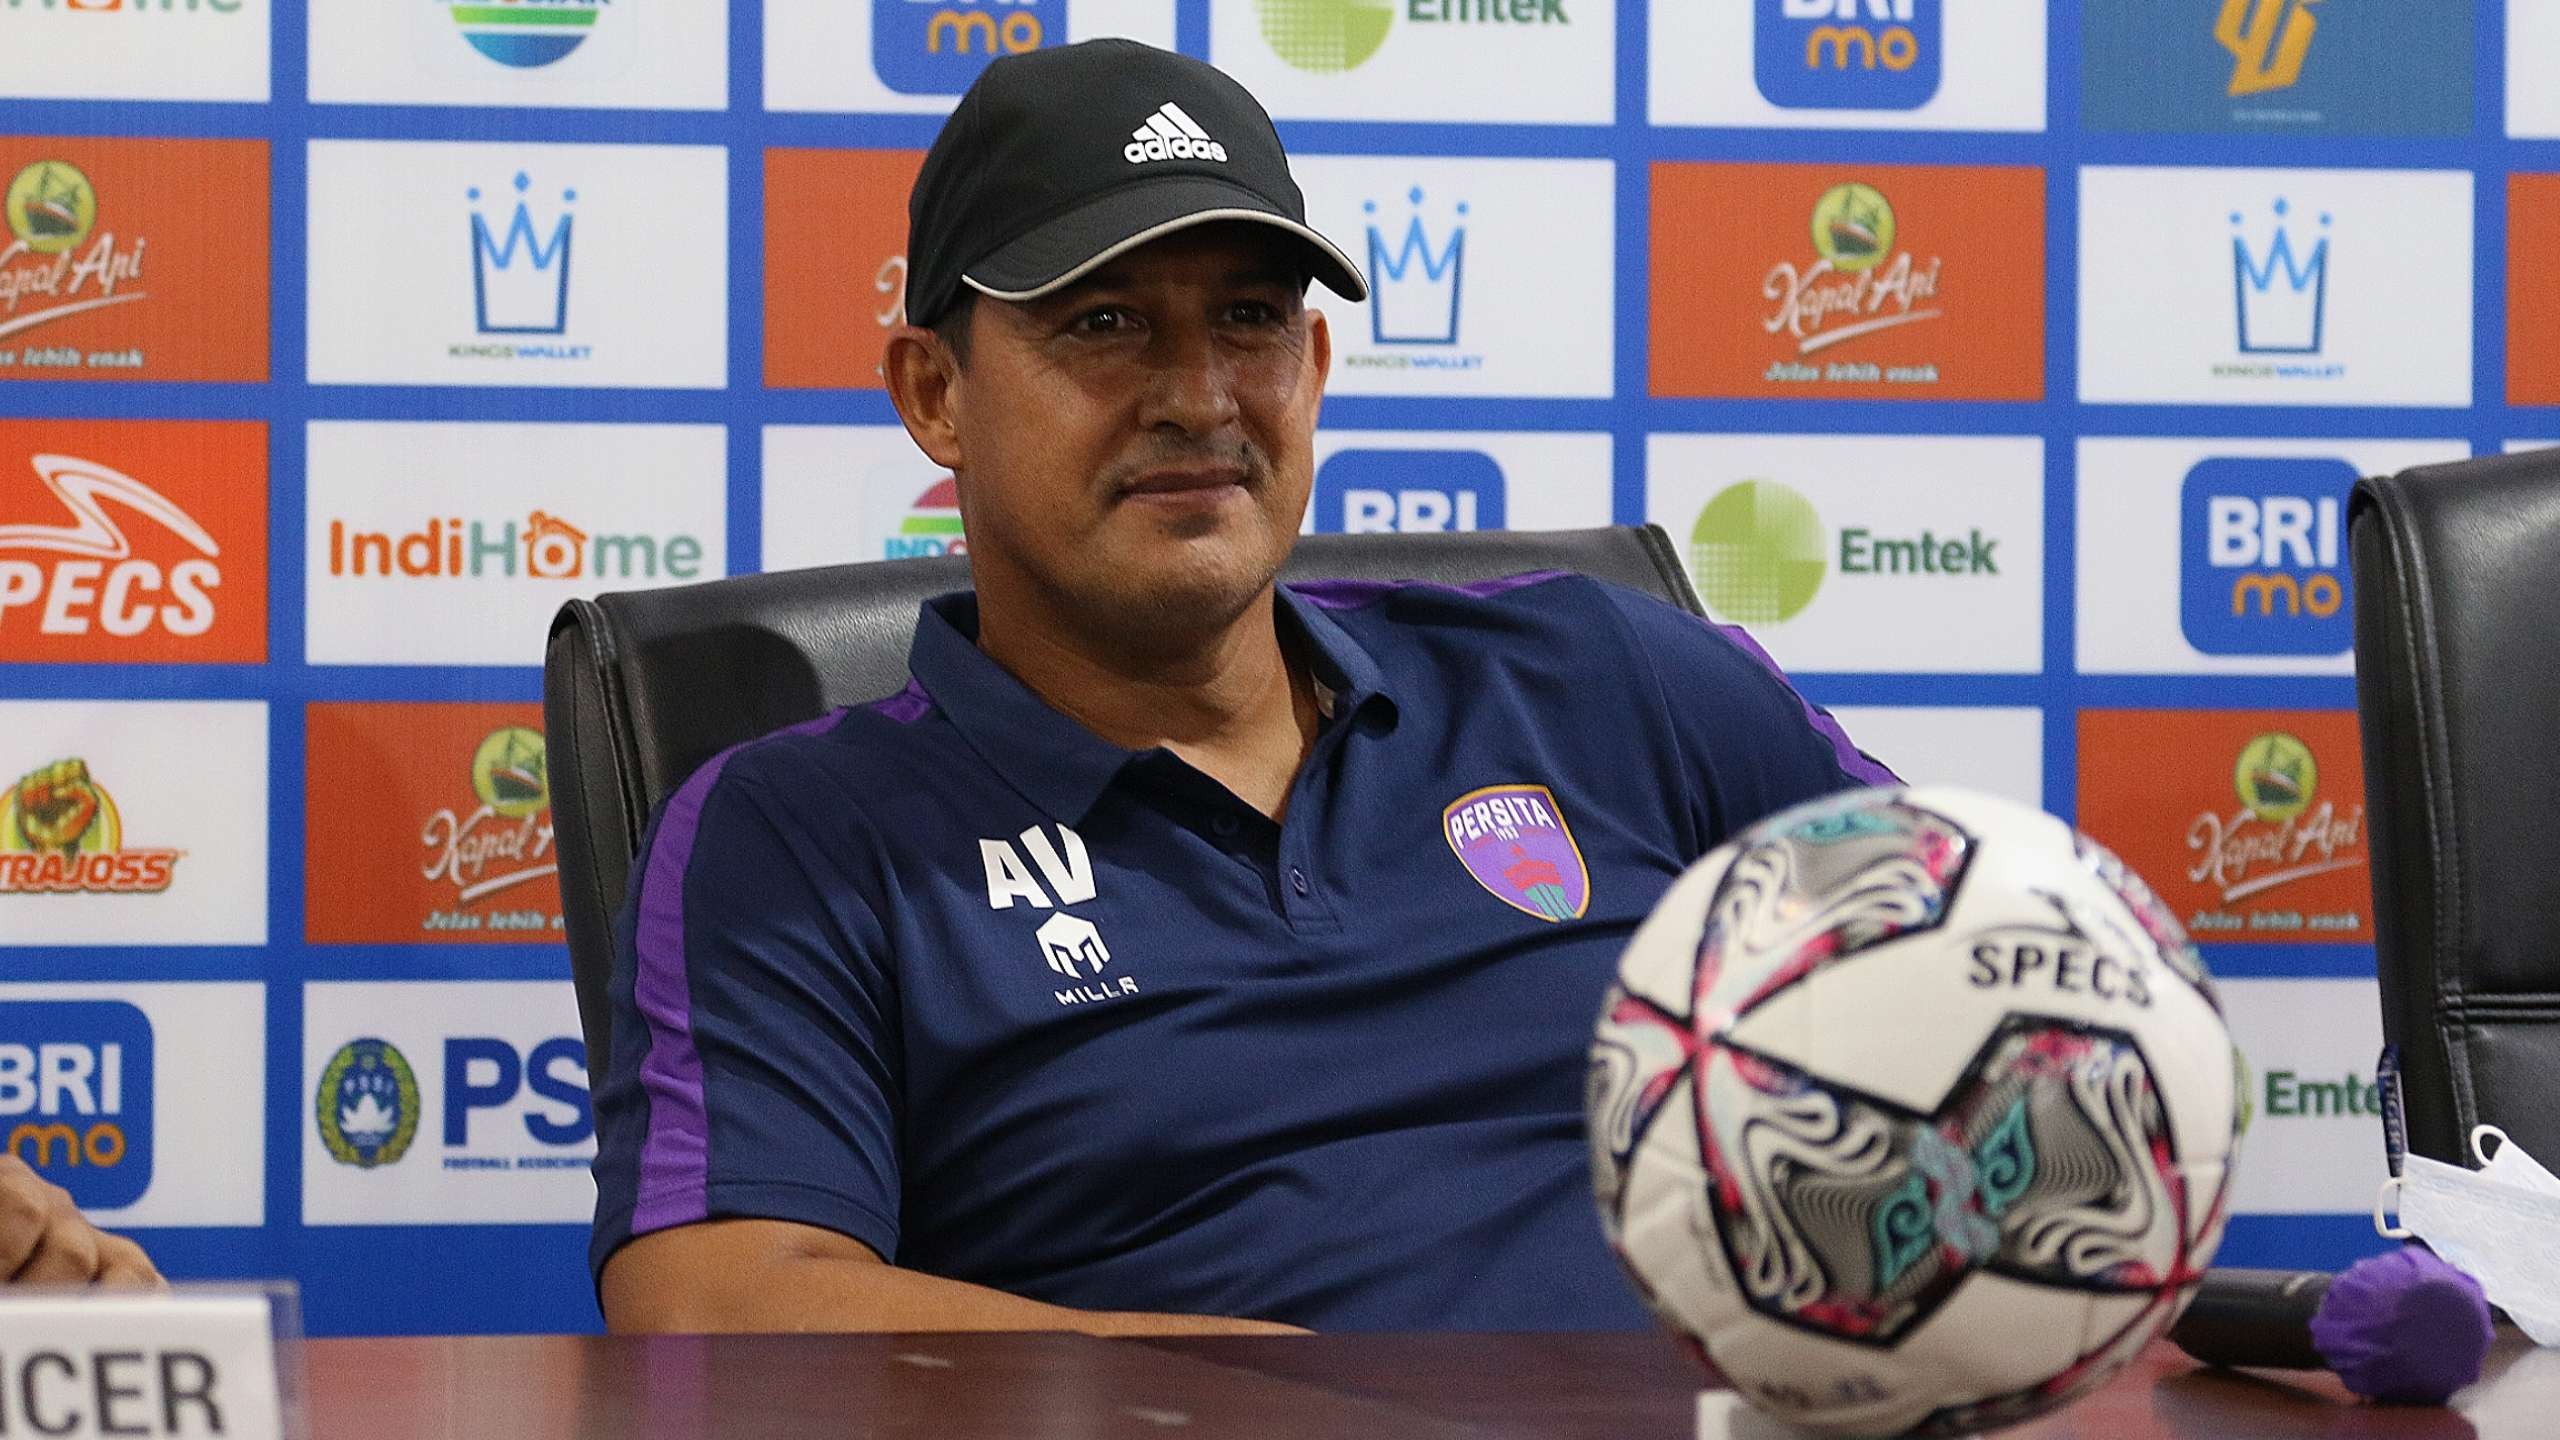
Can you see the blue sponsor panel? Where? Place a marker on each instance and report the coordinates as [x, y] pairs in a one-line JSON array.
[[1364, 492], [75, 1096], [2262, 564], [937, 47], [2282, 66], [1847, 54]]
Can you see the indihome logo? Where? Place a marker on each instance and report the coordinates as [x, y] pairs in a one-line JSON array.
[[541, 547]]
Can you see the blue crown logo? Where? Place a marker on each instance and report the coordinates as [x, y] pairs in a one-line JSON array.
[[2279, 300], [520, 281], [1413, 292]]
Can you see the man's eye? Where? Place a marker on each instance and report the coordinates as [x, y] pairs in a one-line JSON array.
[[1255, 312], [1106, 320]]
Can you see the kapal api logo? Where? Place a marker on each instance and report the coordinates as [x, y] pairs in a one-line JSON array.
[[76, 1096], [526, 34], [543, 547], [367, 1104], [1328, 37], [1513, 841], [2268, 40], [502, 842], [61, 833], [1857, 284], [937, 47], [98, 581], [1847, 54], [520, 276], [2262, 570], [59, 262], [1416, 282], [2283, 831]]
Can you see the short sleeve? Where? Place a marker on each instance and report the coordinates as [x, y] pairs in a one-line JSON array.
[[755, 1062], [1751, 742]]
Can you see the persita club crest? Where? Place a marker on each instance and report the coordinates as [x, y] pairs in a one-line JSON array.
[[1513, 840]]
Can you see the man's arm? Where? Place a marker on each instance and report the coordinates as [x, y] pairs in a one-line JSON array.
[[44, 1240], [774, 1275]]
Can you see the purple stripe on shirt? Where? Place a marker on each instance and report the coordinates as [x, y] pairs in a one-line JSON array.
[[675, 1155], [1854, 763], [907, 706], [1353, 594]]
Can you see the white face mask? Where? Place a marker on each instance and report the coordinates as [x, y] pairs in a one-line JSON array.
[[2500, 1225]]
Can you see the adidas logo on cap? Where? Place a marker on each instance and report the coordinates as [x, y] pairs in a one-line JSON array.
[[1171, 135]]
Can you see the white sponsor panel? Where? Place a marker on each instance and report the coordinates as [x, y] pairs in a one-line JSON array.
[[1995, 749], [2533, 55], [2140, 551], [2315, 1131], [135, 49], [430, 543], [661, 54], [2518, 447], [204, 1141], [1444, 61], [1912, 554], [133, 822], [1486, 277], [917, 56], [2275, 287], [1705, 65], [445, 1103], [1371, 481], [440, 263], [834, 494]]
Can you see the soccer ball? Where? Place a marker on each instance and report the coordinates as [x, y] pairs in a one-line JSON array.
[[1912, 1109]]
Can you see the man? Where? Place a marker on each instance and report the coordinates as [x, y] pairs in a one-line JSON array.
[[1176, 953], [45, 1241]]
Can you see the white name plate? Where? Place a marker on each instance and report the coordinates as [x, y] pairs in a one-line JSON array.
[[102, 1365]]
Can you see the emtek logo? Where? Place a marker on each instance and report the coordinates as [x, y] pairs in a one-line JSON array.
[[2267, 40], [1368, 492], [937, 47], [1759, 551], [2262, 570], [75, 1096], [1847, 54], [545, 547]]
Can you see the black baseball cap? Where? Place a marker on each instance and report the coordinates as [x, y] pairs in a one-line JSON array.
[[1059, 159]]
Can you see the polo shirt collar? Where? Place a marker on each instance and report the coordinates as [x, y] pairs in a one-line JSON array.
[[1050, 757]]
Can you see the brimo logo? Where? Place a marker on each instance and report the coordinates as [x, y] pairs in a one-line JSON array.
[[102, 582], [2261, 571], [1847, 54], [2267, 40], [937, 47], [76, 1096]]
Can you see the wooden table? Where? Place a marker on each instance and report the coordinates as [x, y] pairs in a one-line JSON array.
[[1361, 1387]]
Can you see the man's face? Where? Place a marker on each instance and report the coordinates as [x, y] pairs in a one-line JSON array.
[[1135, 451]]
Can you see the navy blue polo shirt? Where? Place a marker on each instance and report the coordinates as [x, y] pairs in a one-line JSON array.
[[953, 976]]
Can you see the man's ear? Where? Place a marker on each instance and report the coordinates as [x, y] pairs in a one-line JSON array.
[[924, 383]]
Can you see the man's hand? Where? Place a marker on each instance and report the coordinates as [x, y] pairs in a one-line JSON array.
[[45, 1241]]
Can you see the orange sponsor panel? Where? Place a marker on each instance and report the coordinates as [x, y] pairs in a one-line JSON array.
[[835, 263], [133, 259], [2250, 823], [427, 822], [2533, 302], [1908, 282], [133, 540]]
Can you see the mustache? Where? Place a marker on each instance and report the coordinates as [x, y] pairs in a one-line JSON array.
[[1238, 454]]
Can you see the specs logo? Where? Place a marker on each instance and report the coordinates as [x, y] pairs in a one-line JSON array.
[[2267, 40], [937, 47], [1847, 54], [102, 583], [1371, 492], [2262, 570], [76, 1096]]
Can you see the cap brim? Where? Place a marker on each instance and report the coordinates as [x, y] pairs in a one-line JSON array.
[[1068, 248]]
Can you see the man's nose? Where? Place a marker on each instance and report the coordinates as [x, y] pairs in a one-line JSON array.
[[1190, 381]]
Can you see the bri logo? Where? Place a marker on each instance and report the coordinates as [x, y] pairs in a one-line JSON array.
[[1413, 287], [546, 547], [1847, 54], [75, 1096], [937, 47], [520, 279], [1369, 492], [2263, 569], [2279, 295], [1169, 134], [2267, 40]]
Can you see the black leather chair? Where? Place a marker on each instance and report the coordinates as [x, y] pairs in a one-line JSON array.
[[640, 688], [2457, 626]]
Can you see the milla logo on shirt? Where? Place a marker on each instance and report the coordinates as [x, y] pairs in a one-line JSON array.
[[1513, 840], [1067, 940]]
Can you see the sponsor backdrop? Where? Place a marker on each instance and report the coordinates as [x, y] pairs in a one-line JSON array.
[[2003, 364]]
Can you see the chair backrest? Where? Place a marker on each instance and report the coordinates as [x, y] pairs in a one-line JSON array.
[[640, 688], [2457, 626]]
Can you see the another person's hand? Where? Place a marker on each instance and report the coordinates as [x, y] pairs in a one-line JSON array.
[[44, 1240]]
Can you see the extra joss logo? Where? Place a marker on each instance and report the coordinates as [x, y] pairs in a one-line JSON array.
[[1847, 54], [937, 47], [1417, 273], [76, 1096], [61, 834], [2262, 570], [367, 1104], [526, 34], [1857, 284], [59, 262], [1514, 841], [1368, 492]]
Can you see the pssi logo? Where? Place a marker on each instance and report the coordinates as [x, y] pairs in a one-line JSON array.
[[367, 1104], [75, 1096], [62, 834], [482, 1072], [1847, 54], [2263, 569], [937, 47], [98, 582], [2267, 40], [1368, 492]]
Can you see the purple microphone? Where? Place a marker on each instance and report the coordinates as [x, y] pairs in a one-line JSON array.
[[2403, 1326]]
